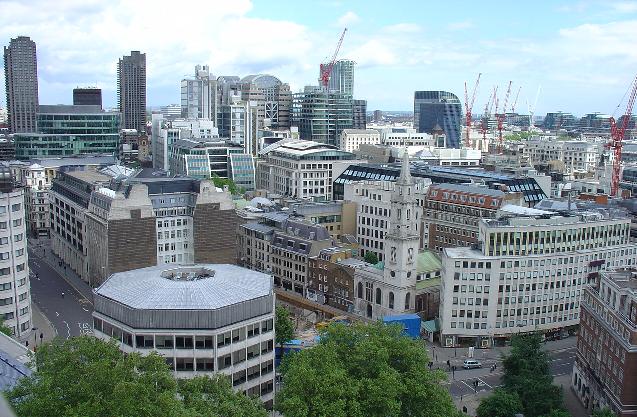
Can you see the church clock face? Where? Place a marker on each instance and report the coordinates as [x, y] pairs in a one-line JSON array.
[[392, 254], [410, 255]]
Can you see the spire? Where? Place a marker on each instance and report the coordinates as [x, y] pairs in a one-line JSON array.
[[405, 174]]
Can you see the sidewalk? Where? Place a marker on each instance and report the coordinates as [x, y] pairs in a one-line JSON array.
[[41, 248], [43, 326], [572, 403], [471, 401]]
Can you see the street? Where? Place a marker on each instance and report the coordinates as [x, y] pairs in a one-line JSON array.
[[561, 364], [70, 314]]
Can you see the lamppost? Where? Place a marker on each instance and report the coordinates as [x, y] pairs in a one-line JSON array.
[[35, 337]]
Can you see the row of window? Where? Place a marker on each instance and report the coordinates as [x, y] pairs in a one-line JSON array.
[[158, 341]]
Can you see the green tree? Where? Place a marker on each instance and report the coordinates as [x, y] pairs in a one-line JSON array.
[[214, 397], [284, 327], [363, 370], [232, 187], [604, 412], [5, 329], [527, 373], [370, 257], [85, 376], [500, 403], [558, 413]]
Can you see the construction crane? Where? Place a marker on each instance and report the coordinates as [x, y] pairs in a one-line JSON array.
[[468, 106], [515, 102], [532, 109], [487, 113], [617, 131], [326, 69], [500, 116]]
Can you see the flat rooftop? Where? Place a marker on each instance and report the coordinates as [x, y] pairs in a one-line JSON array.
[[185, 287], [624, 279]]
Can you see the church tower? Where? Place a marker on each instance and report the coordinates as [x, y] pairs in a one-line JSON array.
[[403, 238]]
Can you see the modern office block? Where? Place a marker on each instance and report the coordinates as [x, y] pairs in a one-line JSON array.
[[21, 81], [131, 90], [438, 109]]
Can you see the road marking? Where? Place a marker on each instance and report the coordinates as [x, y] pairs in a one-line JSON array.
[[85, 328], [490, 387], [68, 329], [470, 387], [57, 314], [85, 309]]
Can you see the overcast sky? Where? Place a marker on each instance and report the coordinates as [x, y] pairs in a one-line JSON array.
[[581, 53]]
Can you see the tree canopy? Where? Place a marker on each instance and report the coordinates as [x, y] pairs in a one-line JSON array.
[[604, 412], [370, 257], [5, 329], [362, 370], [85, 376], [232, 187], [500, 403], [283, 326], [527, 375]]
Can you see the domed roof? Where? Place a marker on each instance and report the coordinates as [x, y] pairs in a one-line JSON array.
[[262, 80]]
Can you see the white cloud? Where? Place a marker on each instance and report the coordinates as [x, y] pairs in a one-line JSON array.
[[624, 6], [465, 24], [348, 18], [80, 41]]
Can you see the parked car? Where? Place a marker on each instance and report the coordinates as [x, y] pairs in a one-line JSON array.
[[471, 363]]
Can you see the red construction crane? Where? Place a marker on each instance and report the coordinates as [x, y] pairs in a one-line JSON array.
[[487, 112], [501, 116], [617, 131], [326, 69], [468, 106]]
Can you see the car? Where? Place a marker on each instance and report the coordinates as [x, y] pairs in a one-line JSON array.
[[471, 364]]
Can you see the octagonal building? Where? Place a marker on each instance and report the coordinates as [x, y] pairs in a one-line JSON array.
[[201, 318]]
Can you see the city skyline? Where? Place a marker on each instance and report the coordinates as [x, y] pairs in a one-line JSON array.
[[578, 51]]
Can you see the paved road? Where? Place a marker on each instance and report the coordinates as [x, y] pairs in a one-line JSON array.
[[561, 364], [71, 314]]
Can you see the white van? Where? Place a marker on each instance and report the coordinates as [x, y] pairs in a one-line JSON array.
[[471, 363]]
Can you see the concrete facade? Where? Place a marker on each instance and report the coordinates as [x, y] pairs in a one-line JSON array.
[[229, 330], [605, 372]]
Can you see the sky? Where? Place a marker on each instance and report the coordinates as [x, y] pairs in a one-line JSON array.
[[579, 55]]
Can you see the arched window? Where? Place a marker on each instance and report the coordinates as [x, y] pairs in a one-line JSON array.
[[360, 290], [407, 301], [379, 296], [391, 299]]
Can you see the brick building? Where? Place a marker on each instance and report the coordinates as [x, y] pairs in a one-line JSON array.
[[331, 277], [451, 213], [605, 371]]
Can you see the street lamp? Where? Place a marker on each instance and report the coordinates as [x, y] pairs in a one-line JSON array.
[[35, 337]]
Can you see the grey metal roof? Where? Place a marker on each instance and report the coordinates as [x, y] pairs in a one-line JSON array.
[[146, 289], [471, 189], [13, 357], [258, 227]]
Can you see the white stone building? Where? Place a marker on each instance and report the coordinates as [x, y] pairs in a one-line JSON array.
[[578, 156], [15, 294], [351, 139], [527, 272], [165, 133], [205, 318], [407, 136], [392, 290], [301, 168], [373, 207]]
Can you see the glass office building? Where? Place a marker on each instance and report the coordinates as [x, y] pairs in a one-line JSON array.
[[433, 109], [70, 130]]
